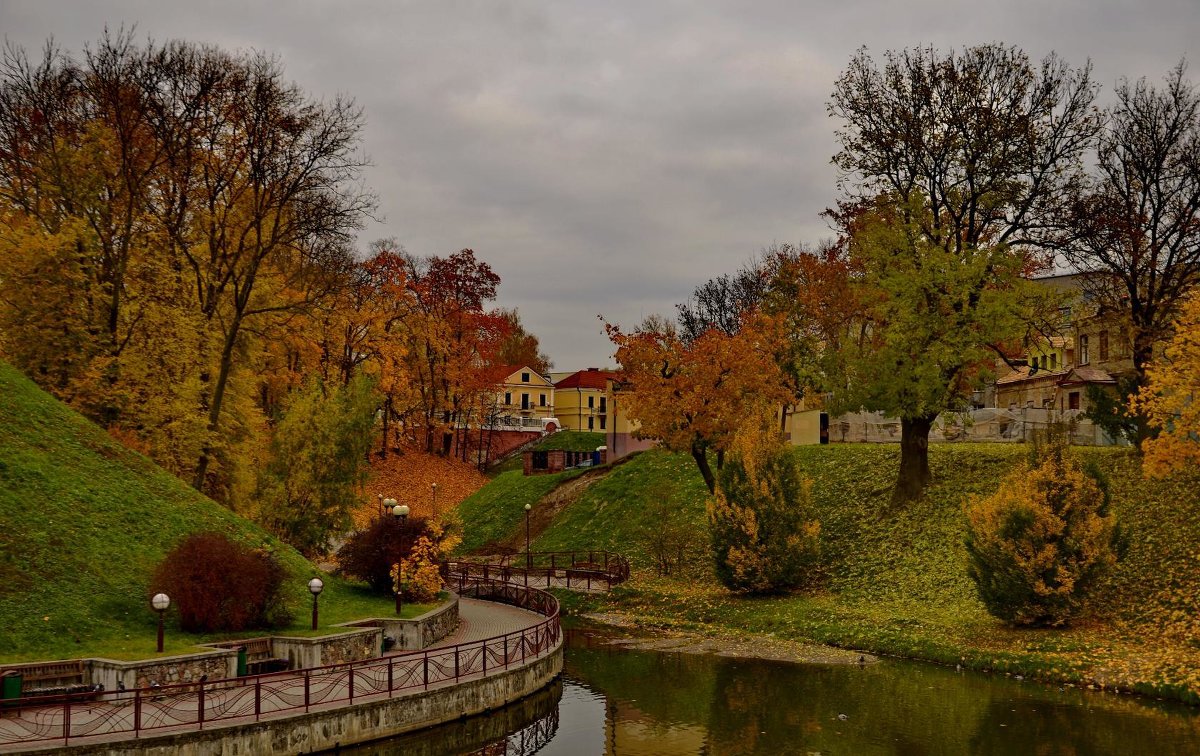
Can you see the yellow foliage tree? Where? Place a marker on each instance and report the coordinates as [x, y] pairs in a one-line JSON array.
[[418, 575], [1042, 539], [1171, 398], [765, 537]]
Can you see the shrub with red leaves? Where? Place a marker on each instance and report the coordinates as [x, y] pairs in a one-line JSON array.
[[219, 585], [369, 554]]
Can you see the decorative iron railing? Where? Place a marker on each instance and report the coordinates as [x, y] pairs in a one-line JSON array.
[[194, 706], [575, 570]]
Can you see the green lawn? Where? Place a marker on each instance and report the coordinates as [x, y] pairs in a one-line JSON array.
[[894, 578], [498, 509], [84, 522]]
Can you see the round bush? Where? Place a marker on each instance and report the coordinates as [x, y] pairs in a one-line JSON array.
[[219, 585], [1037, 545]]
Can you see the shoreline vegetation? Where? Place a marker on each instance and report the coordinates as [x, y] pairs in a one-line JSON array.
[[893, 580]]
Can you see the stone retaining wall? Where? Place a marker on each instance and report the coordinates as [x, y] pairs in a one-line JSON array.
[[419, 632], [168, 670], [328, 730], [353, 645]]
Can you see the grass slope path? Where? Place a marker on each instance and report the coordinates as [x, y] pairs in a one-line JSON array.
[[83, 523]]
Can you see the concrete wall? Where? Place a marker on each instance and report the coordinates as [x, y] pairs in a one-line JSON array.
[[326, 730], [353, 645], [168, 670], [419, 632]]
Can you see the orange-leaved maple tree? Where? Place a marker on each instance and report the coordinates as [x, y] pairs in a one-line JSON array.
[[695, 395]]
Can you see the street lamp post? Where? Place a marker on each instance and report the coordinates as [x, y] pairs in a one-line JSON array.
[[435, 512], [381, 508], [160, 602], [400, 512], [315, 586], [528, 556]]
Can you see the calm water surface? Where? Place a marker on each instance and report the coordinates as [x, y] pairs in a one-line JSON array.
[[621, 702]]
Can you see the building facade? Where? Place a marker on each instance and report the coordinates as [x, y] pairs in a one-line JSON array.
[[583, 398]]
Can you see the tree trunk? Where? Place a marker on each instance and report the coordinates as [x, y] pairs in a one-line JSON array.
[[700, 454], [914, 458]]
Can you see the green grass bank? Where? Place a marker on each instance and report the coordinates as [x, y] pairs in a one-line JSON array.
[[84, 521], [894, 579]]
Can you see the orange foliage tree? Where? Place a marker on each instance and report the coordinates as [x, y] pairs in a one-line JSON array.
[[694, 395], [1171, 398]]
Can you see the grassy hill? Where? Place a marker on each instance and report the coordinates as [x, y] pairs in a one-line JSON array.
[[84, 522], [895, 577]]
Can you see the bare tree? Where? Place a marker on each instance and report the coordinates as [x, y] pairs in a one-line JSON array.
[[1137, 226]]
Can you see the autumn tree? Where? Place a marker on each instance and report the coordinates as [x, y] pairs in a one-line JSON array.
[[1039, 543], [518, 346], [964, 161], [310, 484], [1136, 226], [454, 340], [694, 396], [1170, 400], [765, 535]]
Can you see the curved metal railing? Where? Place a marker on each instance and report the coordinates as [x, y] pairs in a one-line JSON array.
[[591, 570], [193, 706]]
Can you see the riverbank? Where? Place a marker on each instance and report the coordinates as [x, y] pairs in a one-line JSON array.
[[893, 579], [707, 618]]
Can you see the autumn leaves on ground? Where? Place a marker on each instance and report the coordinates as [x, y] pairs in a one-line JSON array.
[[893, 580], [409, 476]]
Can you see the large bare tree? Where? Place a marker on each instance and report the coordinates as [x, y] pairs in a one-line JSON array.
[[1137, 225]]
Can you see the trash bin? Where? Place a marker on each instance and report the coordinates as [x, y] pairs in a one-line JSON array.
[[243, 665], [10, 686]]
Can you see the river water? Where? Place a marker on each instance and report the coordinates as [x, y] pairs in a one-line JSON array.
[[617, 701]]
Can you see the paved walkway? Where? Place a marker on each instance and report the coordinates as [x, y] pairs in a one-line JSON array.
[[487, 619], [278, 696]]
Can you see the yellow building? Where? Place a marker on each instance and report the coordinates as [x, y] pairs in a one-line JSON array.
[[582, 400], [525, 397]]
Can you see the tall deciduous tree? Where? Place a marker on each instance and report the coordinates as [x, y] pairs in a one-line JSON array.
[[1137, 226], [694, 395], [977, 152]]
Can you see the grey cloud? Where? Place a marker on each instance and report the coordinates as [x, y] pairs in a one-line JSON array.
[[607, 157]]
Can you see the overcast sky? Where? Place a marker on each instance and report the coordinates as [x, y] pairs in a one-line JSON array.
[[605, 157]]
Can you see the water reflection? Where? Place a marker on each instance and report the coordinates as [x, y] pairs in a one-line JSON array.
[[621, 702]]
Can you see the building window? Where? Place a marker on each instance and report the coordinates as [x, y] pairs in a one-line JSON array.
[[541, 400], [1054, 361], [524, 401], [602, 422], [603, 407], [1073, 400], [1103, 346], [1044, 362], [524, 377], [508, 397], [1083, 350], [591, 423], [591, 402]]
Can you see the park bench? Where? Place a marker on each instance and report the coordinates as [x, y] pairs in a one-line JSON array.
[[58, 679], [259, 659]]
